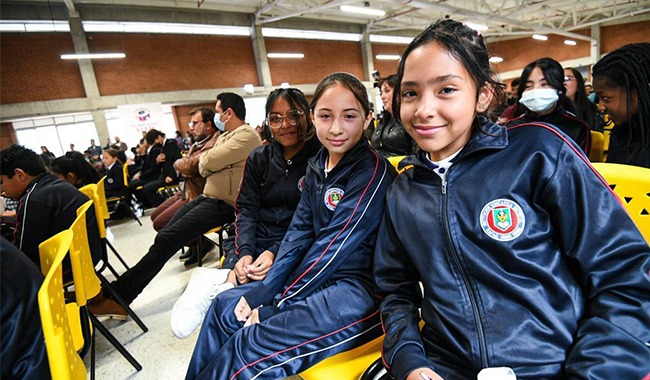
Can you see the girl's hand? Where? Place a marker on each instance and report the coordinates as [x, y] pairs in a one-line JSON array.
[[253, 319], [242, 310], [240, 269], [422, 374], [257, 271]]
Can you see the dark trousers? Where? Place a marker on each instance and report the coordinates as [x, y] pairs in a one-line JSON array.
[[189, 223], [150, 192], [335, 318]]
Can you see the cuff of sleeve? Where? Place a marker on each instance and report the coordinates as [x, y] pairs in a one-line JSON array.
[[266, 312], [258, 296], [407, 359]]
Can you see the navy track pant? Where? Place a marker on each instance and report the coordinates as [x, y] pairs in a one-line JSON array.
[[336, 318]]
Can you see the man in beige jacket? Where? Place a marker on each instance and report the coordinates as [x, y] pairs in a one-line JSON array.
[[223, 167]]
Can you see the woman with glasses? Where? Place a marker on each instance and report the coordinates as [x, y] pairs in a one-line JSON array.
[[541, 91], [268, 196], [585, 109]]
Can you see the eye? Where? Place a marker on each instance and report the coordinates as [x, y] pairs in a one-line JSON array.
[[408, 94], [447, 91]]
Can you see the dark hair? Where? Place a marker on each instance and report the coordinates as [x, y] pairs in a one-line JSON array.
[[348, 81], [584, 108], [464, 44], [628, 68], [207, 114], [151, 136], [296, 100], [390, 80], [75, 162], [234, 102], [554, 74], [19, 157], [113, 153]]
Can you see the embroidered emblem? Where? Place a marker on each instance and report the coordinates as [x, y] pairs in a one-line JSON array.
[[301, 183], [110, 180], [332, 197], [502, 220]]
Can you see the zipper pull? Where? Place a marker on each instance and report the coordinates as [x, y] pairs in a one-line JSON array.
[[444, 186]]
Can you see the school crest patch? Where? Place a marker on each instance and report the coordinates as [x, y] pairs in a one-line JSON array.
[[301, 183], [332, 197], [502, 220]]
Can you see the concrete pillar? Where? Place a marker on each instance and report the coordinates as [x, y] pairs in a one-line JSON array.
[[595, 43], [366, 55], [102, 127], [85, 65], [261, 60]]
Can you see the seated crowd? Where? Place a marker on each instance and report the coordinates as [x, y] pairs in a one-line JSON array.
[[328, 248]]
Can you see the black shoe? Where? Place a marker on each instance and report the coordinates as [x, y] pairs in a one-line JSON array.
[[194, 260], [189, 252]]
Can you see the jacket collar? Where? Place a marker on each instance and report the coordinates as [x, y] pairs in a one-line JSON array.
[[318, 162], [488, 136]]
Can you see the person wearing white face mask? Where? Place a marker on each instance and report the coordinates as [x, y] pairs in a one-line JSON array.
[[541, 91]]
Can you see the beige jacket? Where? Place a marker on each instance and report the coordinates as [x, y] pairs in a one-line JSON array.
[[223, 165]]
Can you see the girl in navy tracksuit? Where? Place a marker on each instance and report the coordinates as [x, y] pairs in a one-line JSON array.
[[318, 297], [269, 193], [526, 258]]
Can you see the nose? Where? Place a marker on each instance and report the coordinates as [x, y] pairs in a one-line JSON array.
[[426, 108], [336, 128]]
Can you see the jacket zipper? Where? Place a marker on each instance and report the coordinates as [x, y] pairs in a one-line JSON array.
[[456, 261]]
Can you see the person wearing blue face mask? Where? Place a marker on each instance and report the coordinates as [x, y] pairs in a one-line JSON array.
[[541, 91]]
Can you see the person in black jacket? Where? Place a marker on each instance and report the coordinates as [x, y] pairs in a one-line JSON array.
[[389, 137], [165, 160], [541, 91], [268, 196], [621, 82], [73, 168], [48, 205], [113, 170], [151, 168]]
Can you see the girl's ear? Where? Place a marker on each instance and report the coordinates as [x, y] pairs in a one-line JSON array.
[[485, 96], [368, 121], [311, 116]]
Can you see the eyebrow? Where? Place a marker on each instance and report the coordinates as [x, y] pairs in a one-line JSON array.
[[442, 78]]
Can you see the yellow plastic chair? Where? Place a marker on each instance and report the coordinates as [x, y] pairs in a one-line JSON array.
[[87, 285], [220, 230], [65, 362], [91, 191], [632, 185], [346, 365], [395, 160], [597, 152]]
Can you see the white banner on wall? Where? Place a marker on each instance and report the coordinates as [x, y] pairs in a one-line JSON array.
[[142, 117]]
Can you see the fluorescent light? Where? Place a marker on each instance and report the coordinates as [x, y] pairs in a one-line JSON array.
[[286, 55], [540, 37], [477, 26], [310, 34], [362, 10], [165, 28], [93, 56], [496, 59], [570, 42], [380, 38], [387, 57]]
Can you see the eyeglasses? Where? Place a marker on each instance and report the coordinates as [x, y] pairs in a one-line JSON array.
[[193, 124], [275, 120], [569, 79]]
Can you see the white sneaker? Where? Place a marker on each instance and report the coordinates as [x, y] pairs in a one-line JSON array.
[[188, 312]]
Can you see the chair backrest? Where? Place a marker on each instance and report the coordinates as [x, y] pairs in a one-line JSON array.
[[125, 173], [64, 361], [90, 191], [632, 185], [597, 153], [101, 193], [86, 282]]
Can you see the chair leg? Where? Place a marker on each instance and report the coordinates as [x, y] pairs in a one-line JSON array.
[[92, 356], [108, 243], [111, 338], [107, 287]]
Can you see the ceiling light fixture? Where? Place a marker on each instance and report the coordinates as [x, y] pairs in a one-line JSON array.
[[310, 34], [477, 26], [286, 55], [382, 38], [388, 57], [362, 10], [570, 42], [540, 37], [495, 59], [93, 56]]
